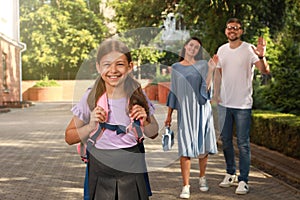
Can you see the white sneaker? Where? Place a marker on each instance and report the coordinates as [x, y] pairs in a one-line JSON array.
[[228, 180], [243, 188], [203, 184], [185, 193]]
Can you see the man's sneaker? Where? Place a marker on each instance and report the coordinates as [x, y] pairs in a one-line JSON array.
[[228, 180], [203, 184], [243, 188], [185, 193]]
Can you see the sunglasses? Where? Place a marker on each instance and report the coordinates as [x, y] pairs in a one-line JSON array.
[[233, 28]]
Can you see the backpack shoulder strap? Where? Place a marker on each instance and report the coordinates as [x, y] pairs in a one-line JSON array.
[[102, 101]]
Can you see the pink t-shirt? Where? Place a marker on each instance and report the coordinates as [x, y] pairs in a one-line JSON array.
[[118, 114]]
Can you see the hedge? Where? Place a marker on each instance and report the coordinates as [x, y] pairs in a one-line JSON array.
[[276, 131]]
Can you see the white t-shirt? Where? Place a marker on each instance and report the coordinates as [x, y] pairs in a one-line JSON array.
[[237, 75]]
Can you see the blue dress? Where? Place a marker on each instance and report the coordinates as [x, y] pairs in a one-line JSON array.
[[188, 95]]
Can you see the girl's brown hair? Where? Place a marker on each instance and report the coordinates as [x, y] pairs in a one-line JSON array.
[[132, 87]]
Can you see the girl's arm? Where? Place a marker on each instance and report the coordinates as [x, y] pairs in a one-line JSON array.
[[77, 131], [151, 129]]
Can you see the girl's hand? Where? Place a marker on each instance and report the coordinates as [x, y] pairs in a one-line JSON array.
[[96, 116], [138, 112]]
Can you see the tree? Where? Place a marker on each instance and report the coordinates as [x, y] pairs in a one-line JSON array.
[[131, 14], [284, 92], [277, 20], [40, 30], [146, 55], [59, 37]]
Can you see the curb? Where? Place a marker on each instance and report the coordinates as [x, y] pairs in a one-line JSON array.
[[273, 162]]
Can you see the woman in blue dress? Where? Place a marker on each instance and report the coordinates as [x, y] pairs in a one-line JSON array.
[[191, 81]]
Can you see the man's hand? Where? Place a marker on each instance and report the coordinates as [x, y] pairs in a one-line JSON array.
[[260, 49]]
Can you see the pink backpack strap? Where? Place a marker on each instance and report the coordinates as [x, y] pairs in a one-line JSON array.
[[136, 126], [81, 148], [102, 102]]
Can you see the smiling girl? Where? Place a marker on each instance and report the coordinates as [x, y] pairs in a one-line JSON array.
[[116, 161]]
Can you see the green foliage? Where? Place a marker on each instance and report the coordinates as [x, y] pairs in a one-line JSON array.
[[45, 82], [259, 96], [143, 52], [147, 58], [278, 22], [132, 14], [277, 131], [284, 91], [288, 118], [59, 36], [208, 18], [146, 54], [169, 58], [161, 78]]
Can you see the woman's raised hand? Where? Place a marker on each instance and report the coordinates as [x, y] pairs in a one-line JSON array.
[[212, 63]]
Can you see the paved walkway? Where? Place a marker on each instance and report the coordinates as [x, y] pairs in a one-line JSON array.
[[37, 164]]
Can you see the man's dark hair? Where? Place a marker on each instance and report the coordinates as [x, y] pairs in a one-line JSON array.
[[234, 20]]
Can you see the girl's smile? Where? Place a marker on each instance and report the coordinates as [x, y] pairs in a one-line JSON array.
[[114, 68]]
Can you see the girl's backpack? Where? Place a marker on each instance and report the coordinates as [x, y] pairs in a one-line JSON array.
[[83, 149]]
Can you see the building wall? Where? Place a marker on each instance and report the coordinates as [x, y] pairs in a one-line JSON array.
[[10, 48], [11, 90]]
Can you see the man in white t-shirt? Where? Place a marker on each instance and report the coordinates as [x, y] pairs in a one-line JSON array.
[[233, 93]]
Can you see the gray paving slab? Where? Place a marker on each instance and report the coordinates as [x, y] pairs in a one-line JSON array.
[[36, 163]]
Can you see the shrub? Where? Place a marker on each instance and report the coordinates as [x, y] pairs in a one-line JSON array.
[[277, 131], [45, 82], [161, 78]]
